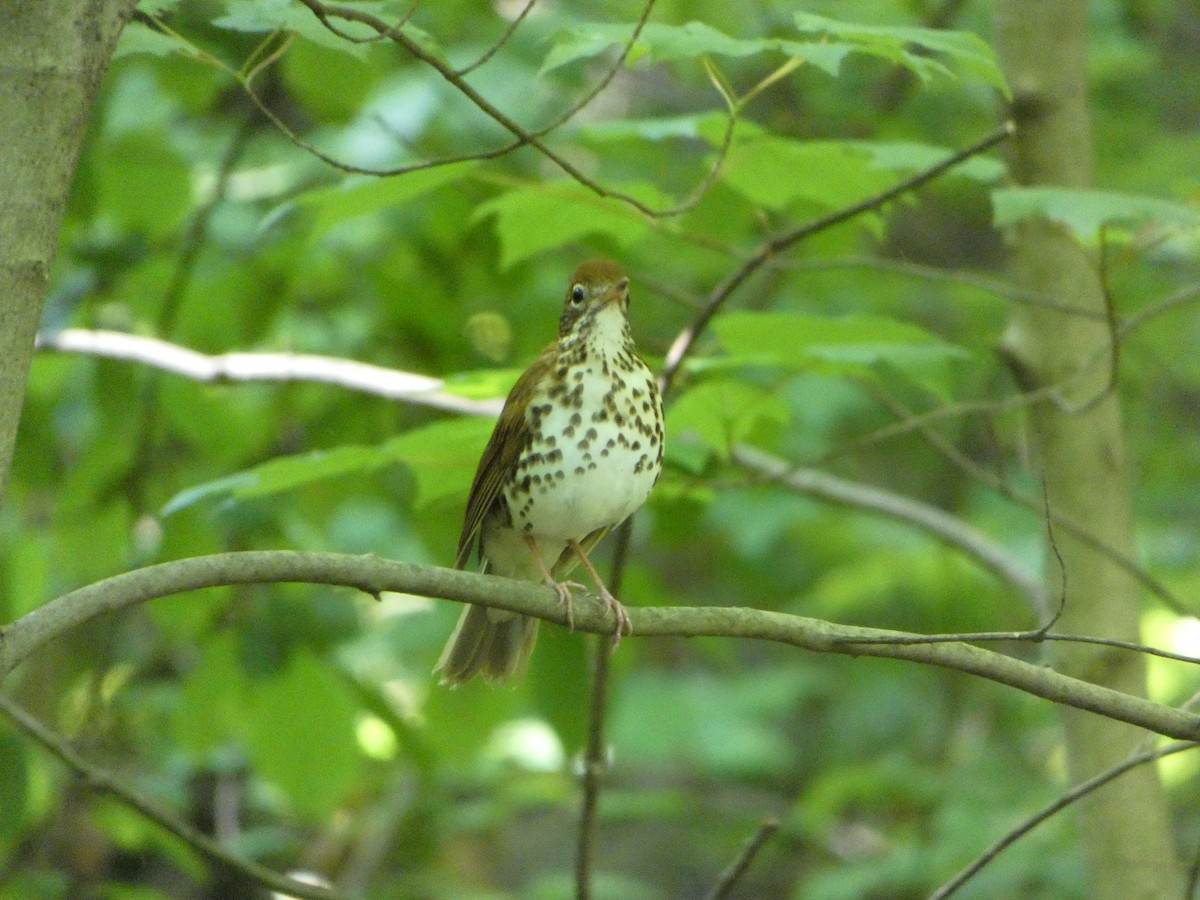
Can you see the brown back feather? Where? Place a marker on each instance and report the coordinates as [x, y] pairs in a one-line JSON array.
[[501, 454]]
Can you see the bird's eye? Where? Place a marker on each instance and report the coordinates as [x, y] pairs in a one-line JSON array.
[[577, 294]]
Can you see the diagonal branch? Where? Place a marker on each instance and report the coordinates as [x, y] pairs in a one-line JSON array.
[[102, 780], [722, 292], [374, 575]]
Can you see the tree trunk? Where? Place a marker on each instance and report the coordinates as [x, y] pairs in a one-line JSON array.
[[52, 56], [1125, 827]]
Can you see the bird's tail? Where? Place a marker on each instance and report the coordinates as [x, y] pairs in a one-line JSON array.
[[493, 643]]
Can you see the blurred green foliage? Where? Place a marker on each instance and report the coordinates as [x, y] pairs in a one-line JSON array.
[[300, 724]]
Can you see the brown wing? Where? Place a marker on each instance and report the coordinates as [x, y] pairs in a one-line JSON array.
[[501, 453]]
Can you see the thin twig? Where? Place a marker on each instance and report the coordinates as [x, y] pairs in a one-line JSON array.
[[1080, 790], [1079, 532], [504, 38], [523, 136], [729, 878], [595, 765], [721, 293], [1035, 635], [107, 782]]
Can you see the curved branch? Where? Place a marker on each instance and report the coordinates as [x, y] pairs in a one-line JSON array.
[[374, 575]]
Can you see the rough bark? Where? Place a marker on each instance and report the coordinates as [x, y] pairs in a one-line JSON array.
[[52, 56], [1125, 829]]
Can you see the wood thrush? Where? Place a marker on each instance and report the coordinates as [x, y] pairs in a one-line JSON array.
[[578, 447]]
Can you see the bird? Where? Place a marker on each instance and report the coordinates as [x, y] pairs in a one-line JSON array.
[[576, 450]]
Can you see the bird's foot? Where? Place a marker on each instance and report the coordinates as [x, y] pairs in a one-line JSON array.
[[564, 589], [624, 625]]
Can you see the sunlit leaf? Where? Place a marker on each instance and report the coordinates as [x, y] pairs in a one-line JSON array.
[[722, 412], [954, 49], [362, 196], [530, 220], [848, 346], [1086, 213]]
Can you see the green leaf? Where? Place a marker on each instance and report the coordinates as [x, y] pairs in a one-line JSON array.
[[909, 156], [144, 182], [265, 16], [301, 734], [14, 784], [849, 346], [362, 196], [775, 172], [540, 217], [960, 49], [138, 38], [824, 43], [442, 456], [723, 412], [1086, 213], [211, 702]]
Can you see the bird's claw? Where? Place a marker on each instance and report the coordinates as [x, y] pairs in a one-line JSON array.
[[624, 625], [563, 589]]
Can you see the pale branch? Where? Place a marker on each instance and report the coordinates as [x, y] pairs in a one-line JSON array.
[[357, 376], [768, 249], [374, 575], [1075, 793], [107, 782], [730, 877], [950, 529]]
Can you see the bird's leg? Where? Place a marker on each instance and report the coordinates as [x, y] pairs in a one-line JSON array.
[[624, 626], [562, 588]]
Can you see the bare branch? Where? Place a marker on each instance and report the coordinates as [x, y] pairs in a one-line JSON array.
[[1079, 791], [595, 765], [729, 878], [356, 376], [1075, 529], [503, 39], [721, 293], [374, 575], [107, 782]]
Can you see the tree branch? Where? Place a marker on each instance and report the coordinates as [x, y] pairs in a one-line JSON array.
[[683, 344], [729, 878], [374, 575], [346, 373], [105, 781], [1077, 792]]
